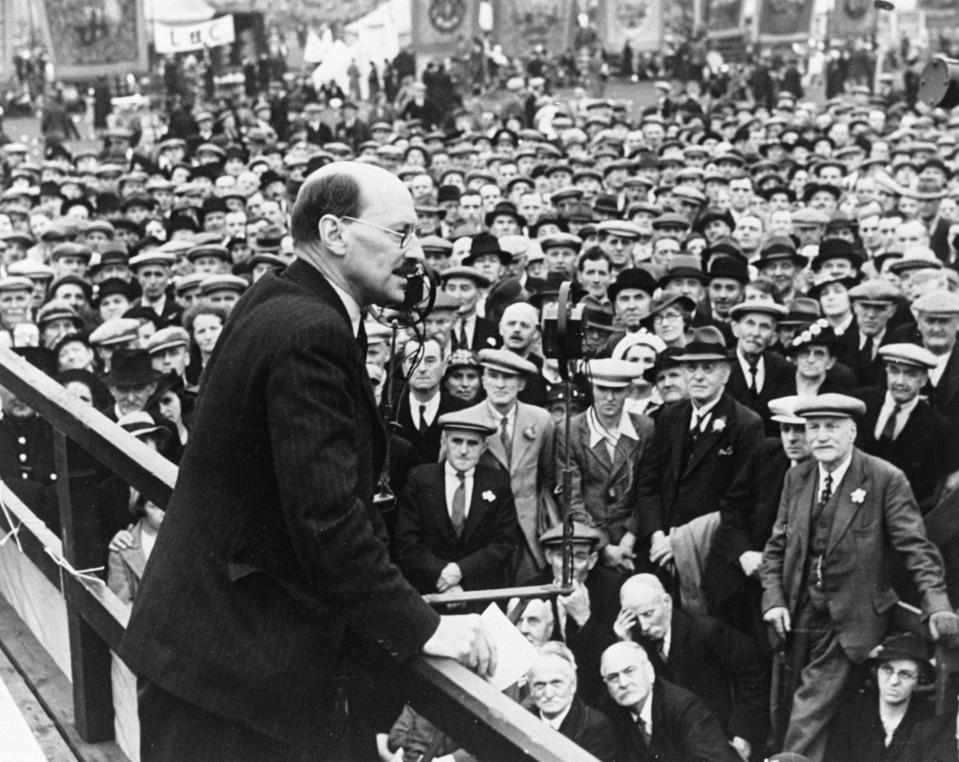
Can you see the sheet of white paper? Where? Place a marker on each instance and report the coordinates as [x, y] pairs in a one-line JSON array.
[[514, 653]]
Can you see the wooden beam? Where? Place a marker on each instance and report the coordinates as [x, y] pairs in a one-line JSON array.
[[123, 454]]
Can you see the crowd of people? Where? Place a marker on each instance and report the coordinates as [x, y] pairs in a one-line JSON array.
[[765, 410]]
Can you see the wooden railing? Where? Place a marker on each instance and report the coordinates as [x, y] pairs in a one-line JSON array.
[[453, 698]]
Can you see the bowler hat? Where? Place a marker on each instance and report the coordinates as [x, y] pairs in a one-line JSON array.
[[508, 209], [131, 367], [483, 244], [837, 248], [706, 344], [631, 277]]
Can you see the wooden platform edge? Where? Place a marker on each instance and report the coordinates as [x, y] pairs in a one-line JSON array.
[[50, 689]]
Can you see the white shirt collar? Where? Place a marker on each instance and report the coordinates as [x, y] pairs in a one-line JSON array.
[[558, 719], [935, 374], [837, 475], [352, 308], [760, 369], [702, 412], [432, 408], [597, 433], [888, 405]]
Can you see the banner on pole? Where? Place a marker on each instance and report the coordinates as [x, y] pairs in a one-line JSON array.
[[724, 18], [92, 39], [522, 24], [181, 39], [785, 20], [639, 21], [444, 27], [852, 18]]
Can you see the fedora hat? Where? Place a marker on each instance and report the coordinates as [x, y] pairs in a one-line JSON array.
[[505, 208], [706, 344]]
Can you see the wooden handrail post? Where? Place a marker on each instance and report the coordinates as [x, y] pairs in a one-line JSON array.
[[89, 654]]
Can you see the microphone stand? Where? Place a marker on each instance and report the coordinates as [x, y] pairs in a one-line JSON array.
[[385, 498]]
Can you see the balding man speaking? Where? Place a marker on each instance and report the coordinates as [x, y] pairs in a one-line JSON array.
[[272, 564]]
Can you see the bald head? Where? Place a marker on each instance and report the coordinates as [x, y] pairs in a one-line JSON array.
[[355, 223], [641, 584], [649, 605], [519, 327], [341, 189]]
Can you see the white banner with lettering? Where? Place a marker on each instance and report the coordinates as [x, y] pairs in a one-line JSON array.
[[180, 39]]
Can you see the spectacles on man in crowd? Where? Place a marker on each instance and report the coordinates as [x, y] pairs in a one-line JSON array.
[[405, 235], [904, 675]]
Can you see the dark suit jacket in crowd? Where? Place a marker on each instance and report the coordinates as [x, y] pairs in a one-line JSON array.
[[589, 728], [426, 444], [717, 474], [485, 335], [720, 666], [780, 381], [945, 396], [425, 541], [921, 450], [683, 729], [270, 541]]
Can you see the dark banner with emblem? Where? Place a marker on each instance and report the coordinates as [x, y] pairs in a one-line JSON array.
[[852, 18], [785, 20], [444, 27], [87, 38], [522, 24], [724, 18]]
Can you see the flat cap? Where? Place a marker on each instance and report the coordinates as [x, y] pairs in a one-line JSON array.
[[761, 306], [908, 354], [115, 331], [16, 283], [581, 534], [615, 374], [70, 249], [560, 240], [466, 421], [875, 291], [154, 257], [30, 268], [58, 309], [830, 405], [783, 410], [937, 303], [165, 338], [208, 250], [506, 361], [223, 282], [621, 228], [470, 273]]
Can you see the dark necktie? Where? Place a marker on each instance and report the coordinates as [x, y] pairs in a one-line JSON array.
[[463, 341], [361, 339], [423, 424], [698, 422], [643, 731], [889, 430], [867, 349], [826, 493], [458, 515], [753, 370], [505, 439]]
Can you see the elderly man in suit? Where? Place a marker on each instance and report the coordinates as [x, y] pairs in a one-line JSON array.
[[937, 318], [713, 660], [470, 330], [552, 687], [271, 540], [699, 465], [904, 429], [653, 719], [606, 445], [457, 528], [826, 568], [758, 375], [522, 445]]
